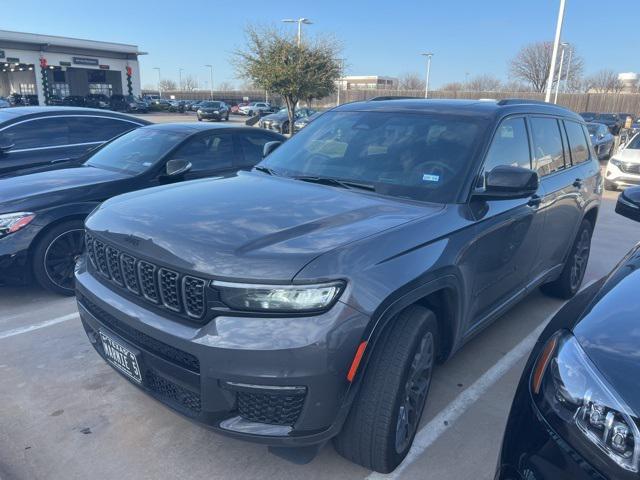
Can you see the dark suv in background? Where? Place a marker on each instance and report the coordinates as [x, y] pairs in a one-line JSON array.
[[312, 297]]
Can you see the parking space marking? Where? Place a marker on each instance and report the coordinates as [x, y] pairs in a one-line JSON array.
[[37, 326]]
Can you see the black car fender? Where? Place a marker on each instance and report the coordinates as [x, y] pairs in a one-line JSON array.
[[48, 218]]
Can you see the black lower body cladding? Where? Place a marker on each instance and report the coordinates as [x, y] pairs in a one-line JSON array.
[[277, 381]]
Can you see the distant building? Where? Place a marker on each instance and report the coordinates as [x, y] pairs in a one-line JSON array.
[[368, 82], [51, 67], [630, 82]]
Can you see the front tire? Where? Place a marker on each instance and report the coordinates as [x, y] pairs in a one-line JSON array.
[[55, 255], [384, 418], [569, 281]]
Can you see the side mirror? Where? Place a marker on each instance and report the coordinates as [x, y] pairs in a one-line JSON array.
[[177, 167], [508, 182], [628, 204], [270, 147]]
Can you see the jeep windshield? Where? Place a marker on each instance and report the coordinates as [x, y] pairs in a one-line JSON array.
[[418, 156]]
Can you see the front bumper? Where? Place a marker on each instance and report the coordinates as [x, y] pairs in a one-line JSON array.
[[15, 265], [211, 115], [622, 178], [277, 381]]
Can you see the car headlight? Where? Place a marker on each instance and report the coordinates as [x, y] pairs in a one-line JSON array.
[[278, 298], [12, 222], [582, 407], [616, 162]]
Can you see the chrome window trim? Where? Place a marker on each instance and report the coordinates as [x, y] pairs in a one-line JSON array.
[[35, 119]]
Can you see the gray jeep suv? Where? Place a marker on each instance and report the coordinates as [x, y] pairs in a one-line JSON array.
[[312, 297]]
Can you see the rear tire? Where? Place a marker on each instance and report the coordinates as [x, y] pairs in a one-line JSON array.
[[569, 281], [384, 418], [55, 255]]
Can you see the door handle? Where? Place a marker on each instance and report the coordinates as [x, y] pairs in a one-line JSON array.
[[535, 201], [578, 183]]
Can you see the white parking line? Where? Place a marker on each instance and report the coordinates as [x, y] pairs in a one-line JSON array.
[[37, 326]]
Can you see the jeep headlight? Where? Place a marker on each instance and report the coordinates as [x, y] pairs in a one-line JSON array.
[[12, 222], [278, 298], [582, 407]]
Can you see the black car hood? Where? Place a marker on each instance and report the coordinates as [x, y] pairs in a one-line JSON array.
[[36, 190], [250, 227], [609, 329]]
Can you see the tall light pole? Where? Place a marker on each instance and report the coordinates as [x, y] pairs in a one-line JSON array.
[[426, 85], [341, 60], [211, 78], [159, 88], [180, 70], [555, 98], [299, 21], [554, 55], [566, 81]]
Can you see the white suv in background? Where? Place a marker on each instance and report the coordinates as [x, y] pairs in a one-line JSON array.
[[623, 168], [253, 108]]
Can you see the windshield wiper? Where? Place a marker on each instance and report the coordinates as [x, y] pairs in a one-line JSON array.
[[334, 182], [266, 170]]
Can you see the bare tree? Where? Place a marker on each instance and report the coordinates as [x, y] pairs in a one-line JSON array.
[[516, 86], [411, 81], [483, 83], [168, 85], [189, 83], [533, 62], [225, 86], [603, 81], [454, 87]]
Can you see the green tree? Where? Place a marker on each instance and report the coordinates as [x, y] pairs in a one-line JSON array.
[[273, 61]]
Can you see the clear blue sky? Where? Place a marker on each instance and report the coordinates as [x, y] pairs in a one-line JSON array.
[[381, 38]]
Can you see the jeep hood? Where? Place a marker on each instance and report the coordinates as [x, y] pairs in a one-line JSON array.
[[250, 227]]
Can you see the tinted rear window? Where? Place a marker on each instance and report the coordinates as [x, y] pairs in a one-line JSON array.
[[547, 145], [577, 142]]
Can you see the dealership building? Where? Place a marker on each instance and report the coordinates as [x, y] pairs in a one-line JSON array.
[[52, 67]]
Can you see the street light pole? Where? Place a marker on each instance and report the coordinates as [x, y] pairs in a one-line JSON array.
[[341, 60], [159, 88], [554, 55], [426, 85], [566, 81], [555, 98], [180, 78], [299, 21], [211, 78]]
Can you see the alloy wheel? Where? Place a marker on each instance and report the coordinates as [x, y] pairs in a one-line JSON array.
[[61, 256], [580, 259], [415, 393]]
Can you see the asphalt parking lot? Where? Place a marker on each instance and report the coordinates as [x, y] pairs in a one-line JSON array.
[[67, 415]]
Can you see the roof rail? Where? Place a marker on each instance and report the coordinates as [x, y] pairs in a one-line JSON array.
[[391, 97], [520, 101]]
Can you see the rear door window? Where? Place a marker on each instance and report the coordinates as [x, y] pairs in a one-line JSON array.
[[578, 145], [39, 133], [88, 129], [547, 145]]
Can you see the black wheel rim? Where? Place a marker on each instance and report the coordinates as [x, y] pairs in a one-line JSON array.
[[415, 392], [61, 256], [580, 259]]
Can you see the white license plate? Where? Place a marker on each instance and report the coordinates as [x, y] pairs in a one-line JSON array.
[[121, 357]]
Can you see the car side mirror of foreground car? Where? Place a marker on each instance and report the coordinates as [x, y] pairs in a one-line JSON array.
[[509, 182], [177, 167], [270, 147], [628, 204]]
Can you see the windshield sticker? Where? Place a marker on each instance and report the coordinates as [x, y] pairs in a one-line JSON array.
[[427, 177]]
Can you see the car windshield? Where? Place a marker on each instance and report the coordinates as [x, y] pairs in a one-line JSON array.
[[609, 117], [593, 128], [210, 104], [634, 143], [418, 156], [136, 151]]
